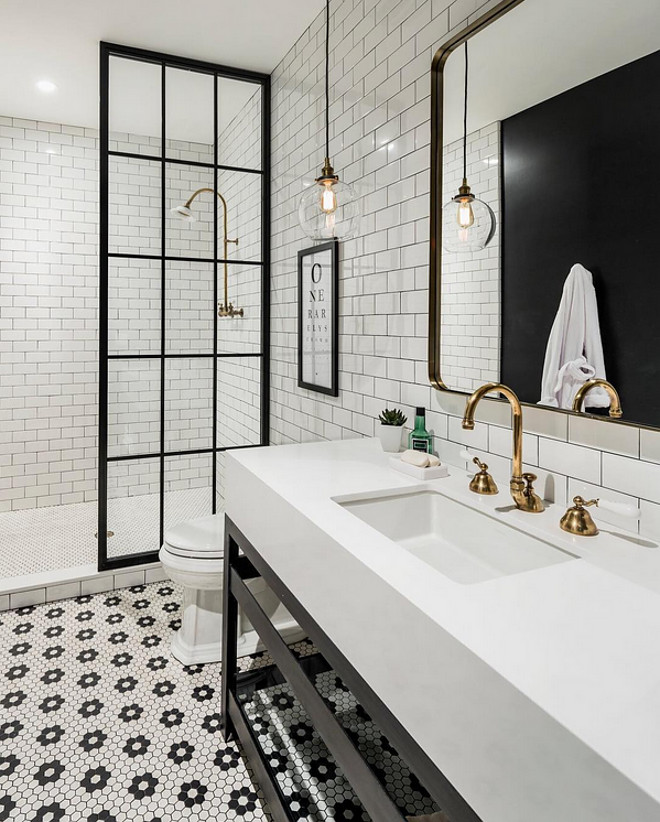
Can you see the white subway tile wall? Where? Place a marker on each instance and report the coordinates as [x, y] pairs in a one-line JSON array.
[[380, 61], [49, 308], [48, 313]]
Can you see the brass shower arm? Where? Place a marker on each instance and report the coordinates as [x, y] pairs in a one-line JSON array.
[[201, 191], [222, 200]]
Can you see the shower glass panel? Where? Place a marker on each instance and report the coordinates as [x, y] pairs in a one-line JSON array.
[[189, 115], [133, 510], [188, 404], [242, 335], [134, 107], [238, 146], [133, 409], [133, 306], [134, 206], [194, 236], [188, 488], [239, 401], [184, 307], [242, 193], [190, 307]]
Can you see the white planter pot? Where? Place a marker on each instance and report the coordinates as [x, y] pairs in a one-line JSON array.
[[390, 437]]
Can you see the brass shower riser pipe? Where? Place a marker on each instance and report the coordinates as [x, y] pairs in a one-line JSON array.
[[224, 310]]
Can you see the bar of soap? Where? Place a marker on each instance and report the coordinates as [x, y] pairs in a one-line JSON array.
[[433, 460], [418, 458]]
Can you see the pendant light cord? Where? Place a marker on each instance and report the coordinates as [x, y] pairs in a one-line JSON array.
[[327, 78], [465, 114]]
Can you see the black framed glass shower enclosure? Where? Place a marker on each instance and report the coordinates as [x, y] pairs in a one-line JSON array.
[[183, 290]]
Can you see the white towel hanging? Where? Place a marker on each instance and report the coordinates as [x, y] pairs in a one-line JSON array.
[[574, 353]]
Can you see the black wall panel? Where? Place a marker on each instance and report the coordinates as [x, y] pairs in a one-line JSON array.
[[580, 183]]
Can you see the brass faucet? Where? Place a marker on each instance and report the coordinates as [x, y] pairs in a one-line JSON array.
[[521, 485], [585, 388]]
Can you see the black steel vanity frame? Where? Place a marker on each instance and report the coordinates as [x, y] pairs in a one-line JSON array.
[[243, 562], [165, 61]]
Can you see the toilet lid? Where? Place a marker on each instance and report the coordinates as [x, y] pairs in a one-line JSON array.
[[203, 537]]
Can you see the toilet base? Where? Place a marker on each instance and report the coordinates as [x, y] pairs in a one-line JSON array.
[[199, 639], [248, 643]]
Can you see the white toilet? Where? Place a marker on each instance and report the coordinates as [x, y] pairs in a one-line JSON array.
[[192, 555]]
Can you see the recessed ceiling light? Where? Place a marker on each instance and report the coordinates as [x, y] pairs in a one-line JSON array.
[[46, 86]]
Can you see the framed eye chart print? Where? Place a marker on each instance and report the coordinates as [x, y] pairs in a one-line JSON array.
[[318, 279]]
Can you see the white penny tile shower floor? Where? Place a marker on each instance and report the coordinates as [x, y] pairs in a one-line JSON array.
[[38, 540]]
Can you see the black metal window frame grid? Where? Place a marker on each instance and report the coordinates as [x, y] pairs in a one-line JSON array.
[[165, 61]]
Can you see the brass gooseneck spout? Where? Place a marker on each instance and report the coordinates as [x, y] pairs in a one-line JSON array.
[[585, 388], [521, 484], [225, 309]]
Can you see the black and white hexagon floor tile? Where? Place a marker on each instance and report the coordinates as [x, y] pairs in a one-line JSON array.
[[98, 722], [306, 772]]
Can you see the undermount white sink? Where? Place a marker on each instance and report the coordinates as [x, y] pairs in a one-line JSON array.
[[462, 543]]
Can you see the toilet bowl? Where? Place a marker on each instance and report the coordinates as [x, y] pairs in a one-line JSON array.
[[192, 555]]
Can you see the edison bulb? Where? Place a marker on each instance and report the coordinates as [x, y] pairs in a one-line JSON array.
[[328, 199], [465, 215]]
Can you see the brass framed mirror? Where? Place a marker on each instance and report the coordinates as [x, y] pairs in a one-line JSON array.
[[560, 136]]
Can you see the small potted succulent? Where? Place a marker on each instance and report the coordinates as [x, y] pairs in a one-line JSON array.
[[389, 430]]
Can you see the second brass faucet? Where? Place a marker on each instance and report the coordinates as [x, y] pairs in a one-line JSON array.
[[613, 394], [521, 484]]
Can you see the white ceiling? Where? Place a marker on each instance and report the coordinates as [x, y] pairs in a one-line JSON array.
[[57, 40], [542, 48]]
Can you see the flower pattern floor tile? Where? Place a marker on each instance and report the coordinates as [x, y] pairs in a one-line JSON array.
[[98, 723]]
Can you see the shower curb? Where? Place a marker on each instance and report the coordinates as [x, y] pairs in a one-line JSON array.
[[37, 589]]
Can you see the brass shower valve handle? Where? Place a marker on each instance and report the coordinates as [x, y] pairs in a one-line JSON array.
[[229, 310]]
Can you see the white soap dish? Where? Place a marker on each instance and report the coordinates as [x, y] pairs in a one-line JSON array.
[[434, 472]]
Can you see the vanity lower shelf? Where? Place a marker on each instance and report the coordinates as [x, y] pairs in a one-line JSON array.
[[307, 774], [321, 743]]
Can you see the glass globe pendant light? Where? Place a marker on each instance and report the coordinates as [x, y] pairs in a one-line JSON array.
[[329, 208], [468, 224]]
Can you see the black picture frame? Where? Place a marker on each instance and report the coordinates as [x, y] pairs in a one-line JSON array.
[[318, 371]]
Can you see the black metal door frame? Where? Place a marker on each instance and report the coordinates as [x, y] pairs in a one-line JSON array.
[[108, 50]]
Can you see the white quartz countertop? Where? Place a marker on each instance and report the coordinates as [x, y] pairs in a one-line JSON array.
[[577, 641]]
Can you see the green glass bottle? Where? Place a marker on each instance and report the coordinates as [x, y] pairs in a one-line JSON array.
[[419, 438]]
